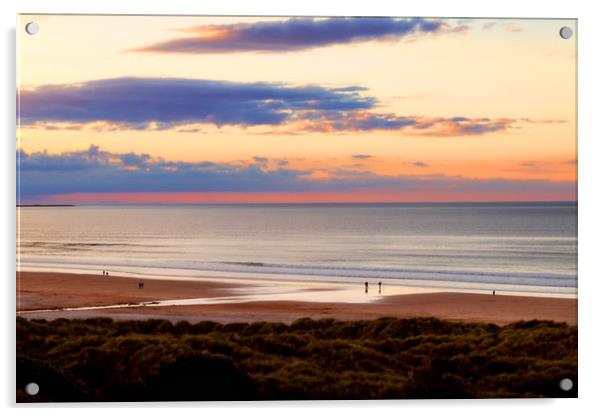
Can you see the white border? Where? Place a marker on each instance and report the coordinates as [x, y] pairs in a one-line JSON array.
[[590, 208]]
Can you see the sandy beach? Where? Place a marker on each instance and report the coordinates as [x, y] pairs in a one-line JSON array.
[[52, 292]]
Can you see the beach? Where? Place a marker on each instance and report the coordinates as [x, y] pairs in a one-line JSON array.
[[48, 295]]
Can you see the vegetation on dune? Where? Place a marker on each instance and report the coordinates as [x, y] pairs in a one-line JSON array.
[[105, 360]]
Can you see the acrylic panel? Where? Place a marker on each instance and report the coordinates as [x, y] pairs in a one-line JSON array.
[[276, 208]]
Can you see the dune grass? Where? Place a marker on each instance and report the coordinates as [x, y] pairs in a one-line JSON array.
[[388, 358]]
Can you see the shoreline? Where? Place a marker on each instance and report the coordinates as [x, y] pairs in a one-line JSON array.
[[201, 300], [259, 278]]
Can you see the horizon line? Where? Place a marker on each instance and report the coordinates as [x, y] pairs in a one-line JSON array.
[[112, 203]]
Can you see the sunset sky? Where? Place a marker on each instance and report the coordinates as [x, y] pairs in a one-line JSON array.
[[272, 109]]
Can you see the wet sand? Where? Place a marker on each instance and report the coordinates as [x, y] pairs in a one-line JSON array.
[[56, 290], [49, 290]]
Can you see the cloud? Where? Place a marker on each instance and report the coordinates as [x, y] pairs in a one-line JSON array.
[[513, 27], [540, 167], [261, 160], [133, 159], [66, 162], [361, 156], [95, 170], [543, 121], [463, 126], [138, 102], [528, 165], [166, 103], [420, 164], [42, 175], [329, 122], [294, 34]]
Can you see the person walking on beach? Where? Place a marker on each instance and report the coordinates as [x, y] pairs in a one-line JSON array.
[[140, 285], [380, 286], [366, 284], [493, 292]]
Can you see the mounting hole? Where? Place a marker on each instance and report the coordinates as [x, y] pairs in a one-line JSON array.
[[566, 32], [32, 389], [32, 28], [566, 384]]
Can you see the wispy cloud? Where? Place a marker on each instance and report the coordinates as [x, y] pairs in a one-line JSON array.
[[414, 125], [513, 27], [295, 34], [543, 121], [165, 103], [261, 160], [361, 156], [463, 126]]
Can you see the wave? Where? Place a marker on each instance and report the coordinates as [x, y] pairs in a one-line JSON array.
[[387, 269], [59, 245], [562, 280]]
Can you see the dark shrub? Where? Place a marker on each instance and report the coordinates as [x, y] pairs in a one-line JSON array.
[[200, 377], [104, 360]]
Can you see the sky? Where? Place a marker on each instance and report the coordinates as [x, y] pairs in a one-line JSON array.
[[172, 109]]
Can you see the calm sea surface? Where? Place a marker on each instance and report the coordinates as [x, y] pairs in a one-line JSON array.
[[518, 247]]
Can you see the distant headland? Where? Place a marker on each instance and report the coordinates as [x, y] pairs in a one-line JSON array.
[[43, 205]]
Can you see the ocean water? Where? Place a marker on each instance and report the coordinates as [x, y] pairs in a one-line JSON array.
[[513, 247]]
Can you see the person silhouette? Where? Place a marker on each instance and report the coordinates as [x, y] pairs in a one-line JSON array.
[[494, 292], [366, 284], [380, 287]]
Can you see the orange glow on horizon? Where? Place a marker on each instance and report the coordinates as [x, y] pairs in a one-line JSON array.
[[372, 196]]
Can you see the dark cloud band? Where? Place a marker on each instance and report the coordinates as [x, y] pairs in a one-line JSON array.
[[293, 34], [97, 171]]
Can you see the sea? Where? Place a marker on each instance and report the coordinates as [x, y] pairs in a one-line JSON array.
[[526, 248]]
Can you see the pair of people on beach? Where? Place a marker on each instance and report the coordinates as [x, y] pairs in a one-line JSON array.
[[105, 273], [380, 285]]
